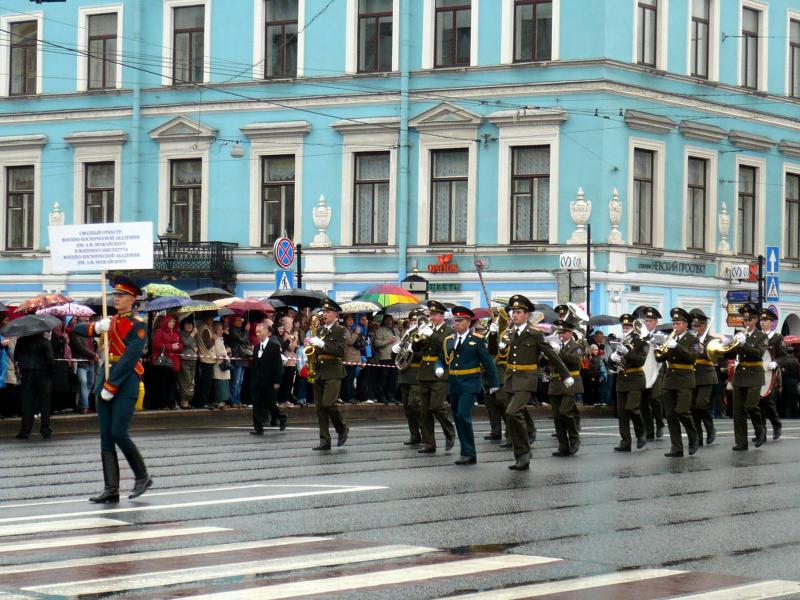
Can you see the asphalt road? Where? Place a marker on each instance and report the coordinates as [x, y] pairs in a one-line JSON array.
[[237, 516]]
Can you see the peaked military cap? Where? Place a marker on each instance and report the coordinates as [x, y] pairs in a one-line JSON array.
[[626, 319], [521, 302], [462, 312], [416, 313], [328, 304], [125, 285], [698, 315], [748, 310], [562, 310], [436, 306], [679, 314], [768, 313], [570, 322], [647, 312]]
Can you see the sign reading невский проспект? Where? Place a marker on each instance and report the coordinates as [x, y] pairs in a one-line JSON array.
[[672, 267], [101, 247]]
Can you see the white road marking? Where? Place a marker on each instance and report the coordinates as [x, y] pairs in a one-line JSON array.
[[381, 578], [162, 578], [52, 526], [753, 591], [104, 538], [157, 555]]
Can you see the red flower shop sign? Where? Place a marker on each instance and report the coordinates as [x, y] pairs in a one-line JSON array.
[[443, 265]]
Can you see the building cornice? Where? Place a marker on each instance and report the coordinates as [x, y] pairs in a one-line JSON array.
[[789, 148], [116, 137], [750, 141], [645, 121], [701, 131], [260, 131], [23, 142], [367, 125]]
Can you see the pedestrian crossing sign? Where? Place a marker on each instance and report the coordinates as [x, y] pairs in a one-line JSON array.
[[284, 279], [773, 288]]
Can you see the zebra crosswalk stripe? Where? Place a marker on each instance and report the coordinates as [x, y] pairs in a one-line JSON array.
[[752, 591], [53, 526]]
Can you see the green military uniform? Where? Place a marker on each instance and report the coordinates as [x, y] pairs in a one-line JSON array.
[[630, 385], [498, 401], [651, 404], [679, 386], [777, 352], [705, 378], [563, 398], [408, 382]]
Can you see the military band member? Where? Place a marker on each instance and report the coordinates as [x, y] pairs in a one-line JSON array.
[[748, 377], [562, 398], [526, 345], [652, 407], [433, 388], [496, 402], [777, 352], [629, 358], [329, 344], [118, 393], [463, 354], [408, 382], [705, 378]]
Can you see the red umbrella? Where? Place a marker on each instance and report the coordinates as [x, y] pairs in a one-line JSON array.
[[482, 313], [42, 301], [251, 304]]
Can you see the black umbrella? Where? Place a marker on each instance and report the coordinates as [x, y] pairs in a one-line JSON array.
[[402, 309], [98, 301], [550, 314], [301, 298], [210, 293], [603, 320], [30, 325]]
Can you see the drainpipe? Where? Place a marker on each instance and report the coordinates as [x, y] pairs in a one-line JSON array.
[[136, 117], [402, 151]]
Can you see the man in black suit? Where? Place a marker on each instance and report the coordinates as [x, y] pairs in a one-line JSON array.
[[265, 378]]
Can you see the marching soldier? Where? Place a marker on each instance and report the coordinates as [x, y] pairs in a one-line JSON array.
[[526, 345], [433, 388], [408, 381], [681, 352], [563, 398], [329, 344], [777, 352], [496, 402], [748, 377], [118, 393], [652, 407], [463, 353], [629, 357], [705, 378]]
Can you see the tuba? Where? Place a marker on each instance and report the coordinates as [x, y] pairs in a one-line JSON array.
[[310, 351], [639, 331], [717, 349], [410, 337]]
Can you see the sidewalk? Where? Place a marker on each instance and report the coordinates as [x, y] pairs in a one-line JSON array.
[[201, 418]]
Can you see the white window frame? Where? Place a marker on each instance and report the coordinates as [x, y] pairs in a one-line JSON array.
[[94, 148], [259, 34], [791, 15], [84, 13], [760, 209], [507, 32], [429, 34], [5, 49], [713, 40], [168, 20], [20, 151], [169, 151], [788, 169], [662, 33], [659, 175], [763, 46], [711, 157], [351, 37]]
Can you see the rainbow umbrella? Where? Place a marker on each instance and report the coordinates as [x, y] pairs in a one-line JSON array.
[[386, 295]]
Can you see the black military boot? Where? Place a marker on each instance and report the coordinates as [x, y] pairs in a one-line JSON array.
[[143, 480], [110, 493]]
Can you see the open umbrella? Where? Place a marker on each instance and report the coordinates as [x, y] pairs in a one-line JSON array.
[[71, 309], [210, 293], [386, 295], [42, 301], [603, 321], [30, 325], [97, 301], [402, 309], [548, 311], [251, 304], [165, 303], [301, 298], [226, 301], [198, 306], [360, 306], [163, 289]]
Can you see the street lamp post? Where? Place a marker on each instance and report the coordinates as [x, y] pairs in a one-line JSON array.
[[169, 241]]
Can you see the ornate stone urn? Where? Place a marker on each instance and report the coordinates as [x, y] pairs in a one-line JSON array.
[[615, 216], [322, 218], [56, 216], [724, 223], [580, 210]]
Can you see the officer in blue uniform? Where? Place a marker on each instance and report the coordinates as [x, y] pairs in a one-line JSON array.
[[118, 394], [463, 353]]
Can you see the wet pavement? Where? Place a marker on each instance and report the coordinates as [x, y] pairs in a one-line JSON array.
[[238, 516]]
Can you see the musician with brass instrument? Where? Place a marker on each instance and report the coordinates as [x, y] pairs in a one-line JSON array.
[[433, 380], [526, 345], [408, 364], [572, 349], [629, 356], [705, 378], [496, 403], [777, 353], [679, 352], [325, 352], [652, 407]]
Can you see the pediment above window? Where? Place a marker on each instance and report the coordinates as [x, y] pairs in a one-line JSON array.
[[750, 141], [789, 148], [701, 131], [367, 125], [23, 142], [182, 129], [116, 137], [446, 116], [644, 121]]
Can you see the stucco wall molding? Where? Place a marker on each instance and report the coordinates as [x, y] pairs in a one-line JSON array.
[[750, 141], [701, 131]]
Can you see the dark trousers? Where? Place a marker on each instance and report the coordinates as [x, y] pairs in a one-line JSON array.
[[628, 411], [326, 393], [264, 400], [564, 419], [769, 410], [203, 384], [433, 402], [287, 384], [652, 412], [349, 384], [163, 391], [678, 410], [789, 396], [115, 418], [745, 404], [496, 407], [461, 405], [35, 393], [409, 394], [387, 382], [701, 410], [365, 384]]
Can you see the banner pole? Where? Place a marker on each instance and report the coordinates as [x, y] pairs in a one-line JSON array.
[[103, 297]]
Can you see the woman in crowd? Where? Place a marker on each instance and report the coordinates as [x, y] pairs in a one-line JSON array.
[[166, 358], [289, 342], [204, 380], [34, 356], [188, 362], [385, 337], [64, 382], [236, 339], [221, 368], [352, 354], [8, 372], [84, 351]]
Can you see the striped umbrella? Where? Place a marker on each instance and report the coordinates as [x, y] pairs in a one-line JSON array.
[[386, 295]]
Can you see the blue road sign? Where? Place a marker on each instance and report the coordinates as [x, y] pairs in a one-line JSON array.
[[773, 288], [284, 252], [284, 279], [741, 296], [773, 260]]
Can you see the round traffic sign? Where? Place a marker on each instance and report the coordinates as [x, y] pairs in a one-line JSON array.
[[774, 309], [284, 252]]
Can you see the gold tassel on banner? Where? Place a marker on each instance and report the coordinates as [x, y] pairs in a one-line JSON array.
[[140, 397]]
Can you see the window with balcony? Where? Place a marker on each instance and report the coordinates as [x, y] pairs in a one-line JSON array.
[[23, 62], [188, 44], [533, 30], [750, 30], [647, 29], [700, 48], [280, 47], [99, 194], [374, 36], [453, 32], [696, 203], [792, 217], [530, 194], [186, 182], [102, 51], [746, 210], [19, 208], [449, 196], [277, 198], [643, 196], [794, 58], [371, 189]]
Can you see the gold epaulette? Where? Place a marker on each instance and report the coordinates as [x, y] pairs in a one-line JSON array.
[[480, 336]]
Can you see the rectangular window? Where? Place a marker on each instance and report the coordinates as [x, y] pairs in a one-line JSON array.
[[530, 194], [19, 208], [99, 199], [643, 196], [746, 216], [750, 24], [23, 37], [187, 44], [794, 58], [449, 193], [371, 218], [533, 30], [102, 51], [792, 216], [277, 198], [186, 183], [453, 32], [700, 38], [280, 48], [696, 203], [647, 21], [374, 36]]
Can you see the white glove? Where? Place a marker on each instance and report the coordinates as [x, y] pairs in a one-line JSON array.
[[501, 345], [493, 390], [102, 325], [494, 327], [772, 366], [740, 337], [671, 343], [555, 345], [426, 331], [569, 382], [106, 395], [616, 357], [439, 371], [315, 341], [396, 348], [621, 350]]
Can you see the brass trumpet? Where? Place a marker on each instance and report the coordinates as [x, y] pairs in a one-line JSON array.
[[311, 352], [662, 350]]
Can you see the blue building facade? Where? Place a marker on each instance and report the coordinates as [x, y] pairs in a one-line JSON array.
[[397, 136]]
